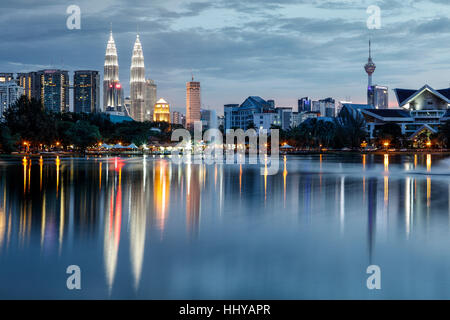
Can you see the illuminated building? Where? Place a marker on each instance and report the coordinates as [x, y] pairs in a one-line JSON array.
[[252, 111], [161, 112], [304, 105], [378, 97], [112, 89], [150, 98], [86, 94], [9, 93], [137, 82], [6, 77], [54, 90], [193, 103], [30, 84]]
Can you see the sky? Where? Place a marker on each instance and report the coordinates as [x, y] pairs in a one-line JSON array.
[[276, 49]]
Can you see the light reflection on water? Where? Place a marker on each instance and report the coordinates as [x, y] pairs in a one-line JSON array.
[[148, 228]]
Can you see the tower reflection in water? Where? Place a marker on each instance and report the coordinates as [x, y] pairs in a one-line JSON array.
[[128, 205]]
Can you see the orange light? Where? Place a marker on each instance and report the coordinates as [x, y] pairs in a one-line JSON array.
[[428, 144], [386, 144], [57, 143]]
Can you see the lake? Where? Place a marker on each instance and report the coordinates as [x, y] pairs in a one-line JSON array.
[[147, 228]]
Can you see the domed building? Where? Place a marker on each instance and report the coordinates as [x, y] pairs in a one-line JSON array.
[[161, 111]]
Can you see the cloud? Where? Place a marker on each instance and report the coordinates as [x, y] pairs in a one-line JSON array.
[[281, 49]]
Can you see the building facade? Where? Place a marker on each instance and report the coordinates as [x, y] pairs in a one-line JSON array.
[[209, 119], [112, 89], [378, 97], [242, 116], [193, 103], [54, 90], [304, 105], [86, 91], [150, 98], [161, 111], [137, 82], [10, 91]]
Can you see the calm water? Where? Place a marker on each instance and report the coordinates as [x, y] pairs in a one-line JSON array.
[[149, 228]]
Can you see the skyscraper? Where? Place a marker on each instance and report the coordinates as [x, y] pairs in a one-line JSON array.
[[112, 89], [137, 82], [54, 89], [86, 93], [30, 84], [378, 97], [150, 98], [6, 77], [304, 105], [193, 103], [10, 91]]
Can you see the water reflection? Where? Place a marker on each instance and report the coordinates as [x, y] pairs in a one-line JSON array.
[[130, 215]]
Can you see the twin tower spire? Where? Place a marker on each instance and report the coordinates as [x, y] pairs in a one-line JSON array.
[[112, 89]]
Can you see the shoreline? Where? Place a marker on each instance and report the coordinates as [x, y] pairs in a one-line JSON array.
[[292, 153]]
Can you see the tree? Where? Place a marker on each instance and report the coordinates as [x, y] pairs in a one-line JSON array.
[[84, 134], [350, 128], [28, 119], [444, 134], [7, 140], [391, 132]]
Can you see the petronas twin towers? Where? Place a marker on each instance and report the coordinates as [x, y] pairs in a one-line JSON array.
[[142, 92]]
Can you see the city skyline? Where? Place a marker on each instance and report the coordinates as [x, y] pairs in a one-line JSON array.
[[307, 38]]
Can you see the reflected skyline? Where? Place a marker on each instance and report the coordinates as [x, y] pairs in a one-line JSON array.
[[133, 206]]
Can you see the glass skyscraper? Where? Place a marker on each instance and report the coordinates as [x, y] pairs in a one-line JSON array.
[[86, 91]]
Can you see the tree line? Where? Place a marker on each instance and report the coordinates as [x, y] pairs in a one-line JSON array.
[[26, 121]]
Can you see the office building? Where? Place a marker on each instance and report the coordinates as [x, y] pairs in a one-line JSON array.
[[86, 91], [150, 98], [209, 119], [304, 105], [10, 91], [193, 103], [242, 116], [378, 97]]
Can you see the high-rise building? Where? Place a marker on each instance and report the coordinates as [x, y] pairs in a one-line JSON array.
[[285, 115], [327, 107], [209, 119], [86, 91], [10, 91], [161, 112], [54, 89], [6, 77], [304, 105], [370, 67], [378, 97], [30, 83], [137, 82], [176, 117], [193, 103], [150, 98], [112, 89]]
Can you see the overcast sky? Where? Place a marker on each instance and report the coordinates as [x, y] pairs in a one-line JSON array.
[[277, 49]]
